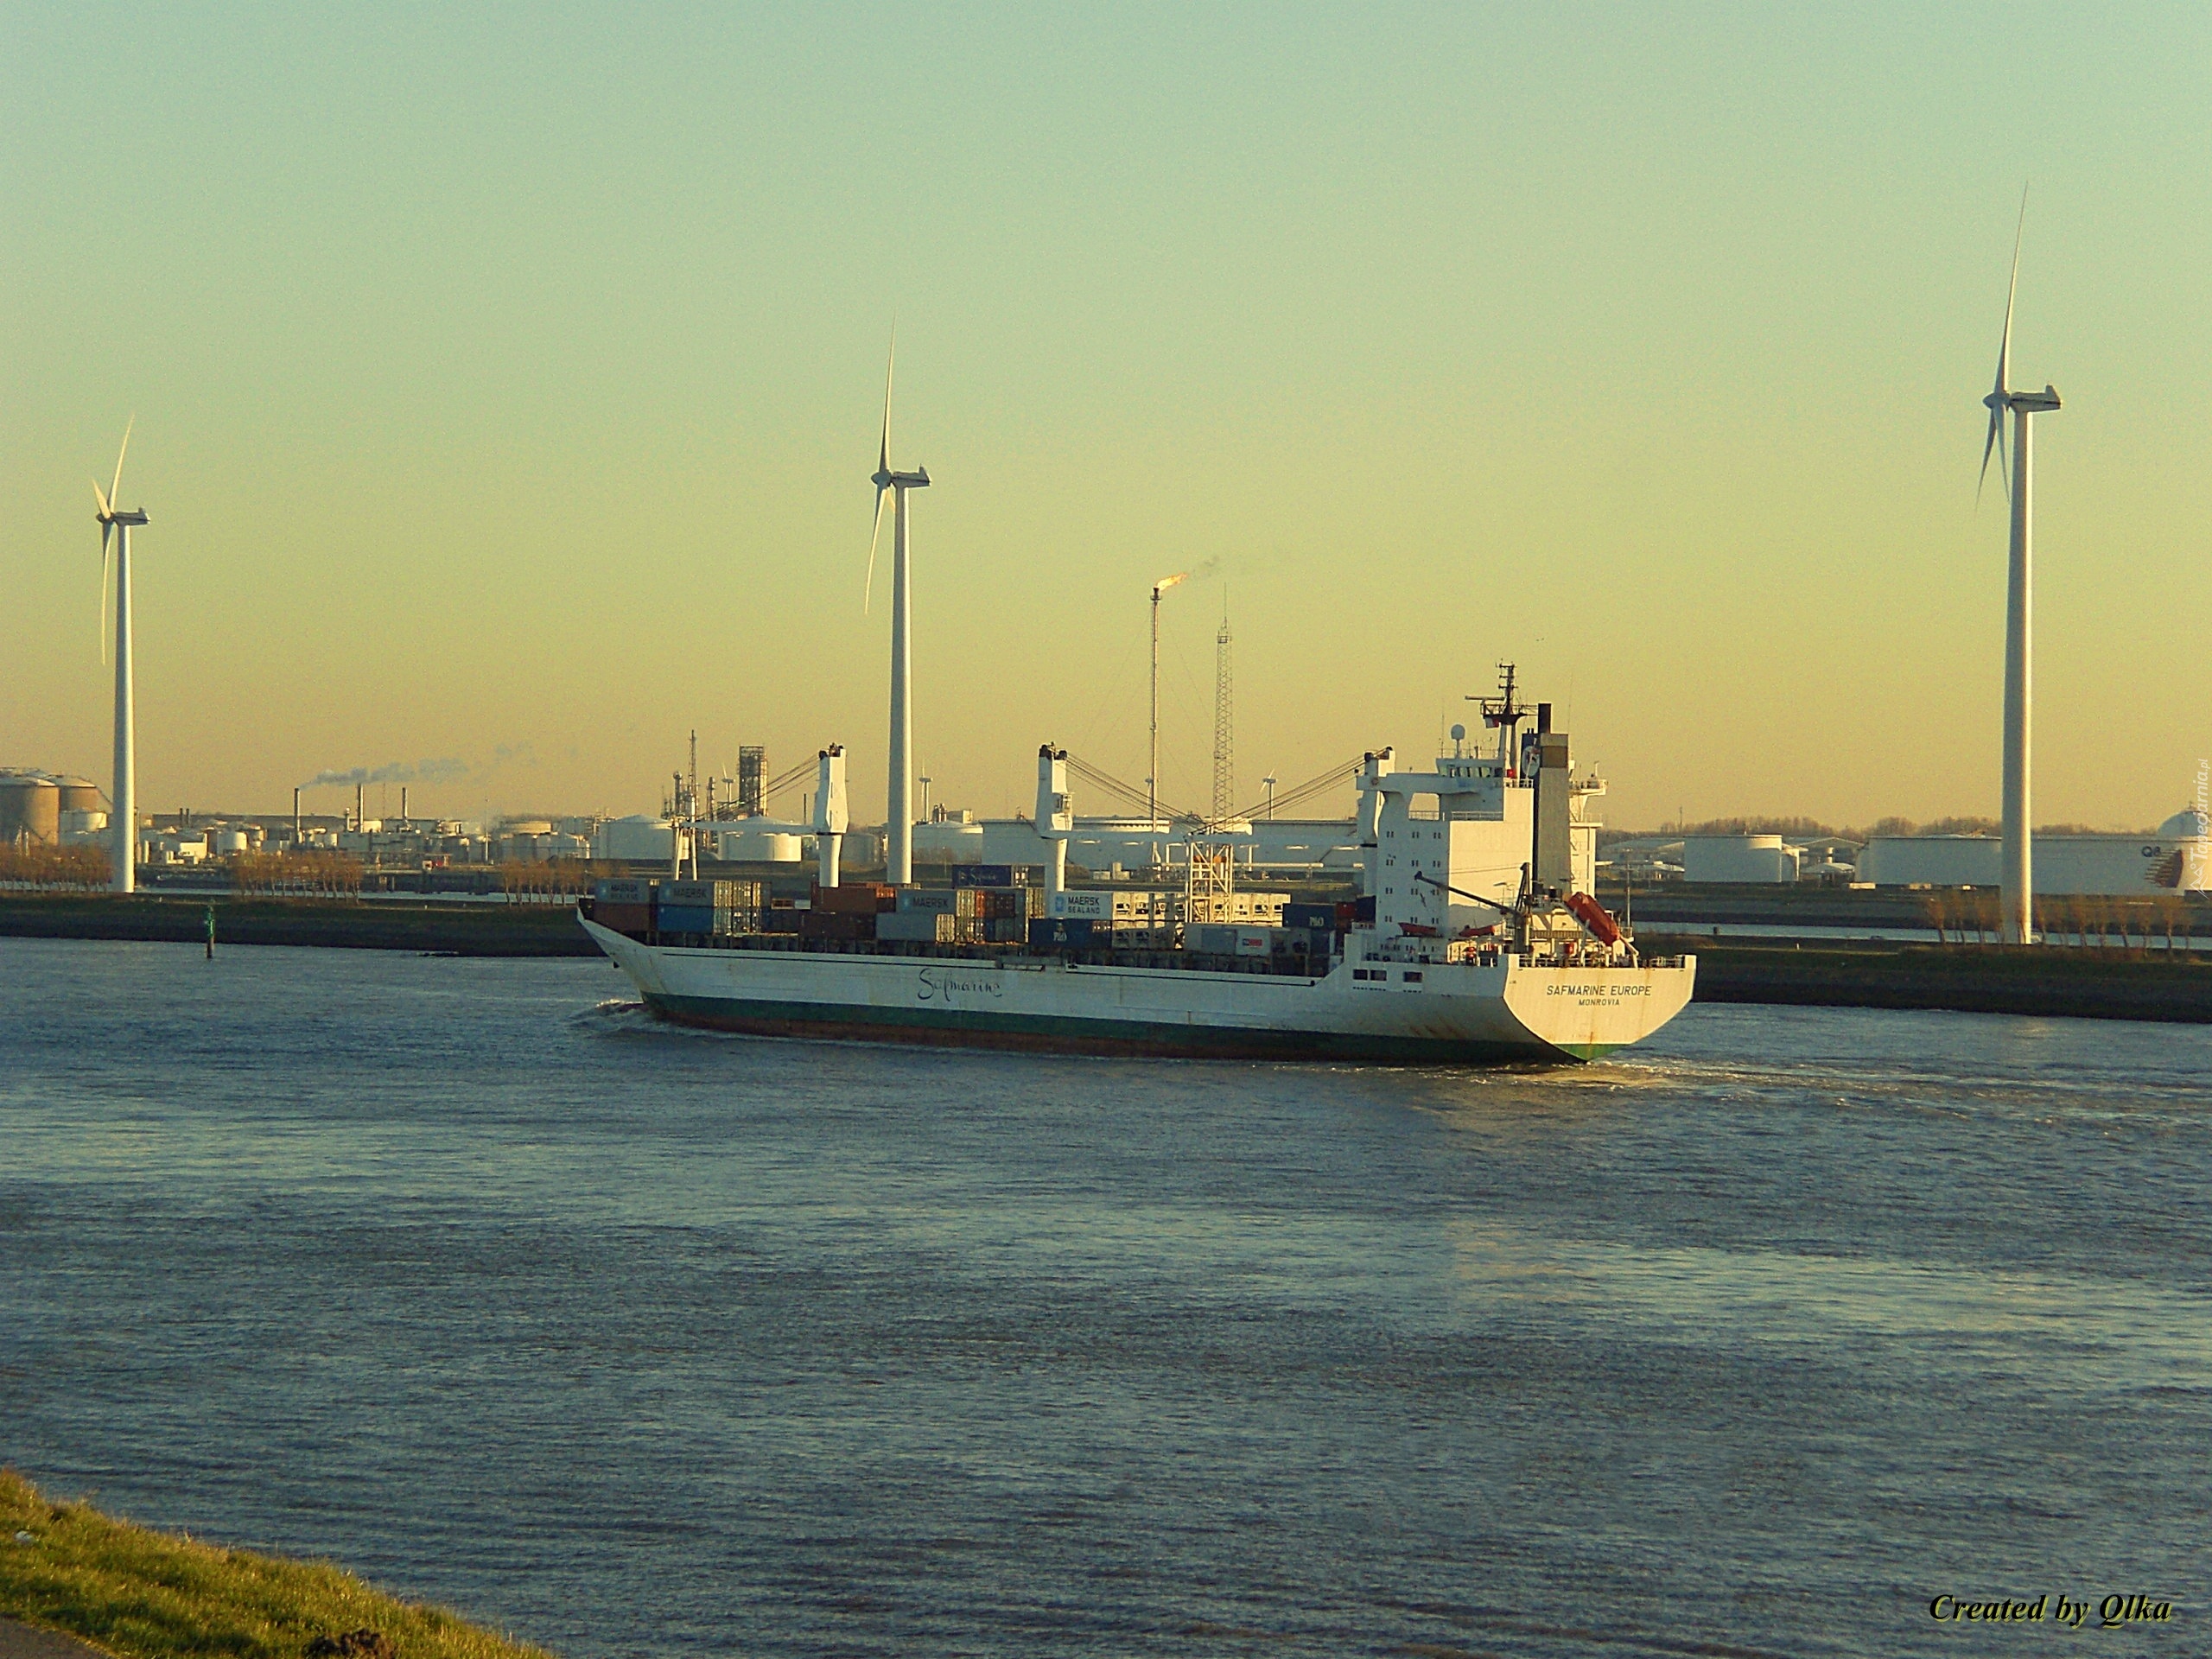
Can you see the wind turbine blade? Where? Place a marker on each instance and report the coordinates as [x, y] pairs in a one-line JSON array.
[[115, 490], [1996, 432], [867, 588], [883, 453], [102, 500], [106, 531]]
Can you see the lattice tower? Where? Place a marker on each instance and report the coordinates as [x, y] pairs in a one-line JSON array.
[[1224, 728]]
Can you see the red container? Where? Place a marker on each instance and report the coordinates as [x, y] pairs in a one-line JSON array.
[[856, 898], [632, 919]]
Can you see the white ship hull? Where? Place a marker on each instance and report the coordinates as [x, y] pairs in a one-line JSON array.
[[1403, 1012]]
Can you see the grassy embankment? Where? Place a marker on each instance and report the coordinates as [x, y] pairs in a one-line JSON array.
[[467, 929], [142, 1594], [2045, 980]]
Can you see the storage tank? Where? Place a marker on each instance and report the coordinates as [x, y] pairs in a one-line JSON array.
[[80, 795], [230, 842], [30, 808], [1738, 858], [1933, 862], [80, 829], [757, 847]]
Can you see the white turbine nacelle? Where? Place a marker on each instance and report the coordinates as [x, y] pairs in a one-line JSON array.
[[830, 817]]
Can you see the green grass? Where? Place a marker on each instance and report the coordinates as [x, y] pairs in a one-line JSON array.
[[142, 1594]]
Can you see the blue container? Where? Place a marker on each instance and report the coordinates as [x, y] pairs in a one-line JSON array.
[[684, 918], [1060, 933], [982, 875], [1320, 918]]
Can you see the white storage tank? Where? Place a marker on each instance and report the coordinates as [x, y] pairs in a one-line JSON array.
[[1738, 858], [647, 839], [757, 847]]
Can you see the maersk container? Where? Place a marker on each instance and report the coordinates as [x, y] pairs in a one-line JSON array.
[[929, 901], [919, 927], [1088, 905], [711, 895], [623, 890]]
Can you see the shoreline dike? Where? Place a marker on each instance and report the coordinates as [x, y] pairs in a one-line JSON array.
[[461, 929], [2048, 981]]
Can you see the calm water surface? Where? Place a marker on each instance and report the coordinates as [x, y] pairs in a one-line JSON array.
[[635, 1341]]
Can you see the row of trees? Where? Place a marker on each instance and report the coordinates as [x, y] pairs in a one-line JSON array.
[[312, 871], [554, 880], [1960, 917], [34, 864]]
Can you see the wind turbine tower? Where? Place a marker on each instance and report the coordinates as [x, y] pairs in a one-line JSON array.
[[123, 828], [899, 849], [2016, 901]]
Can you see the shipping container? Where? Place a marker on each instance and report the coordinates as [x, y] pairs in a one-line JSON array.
[[921, 926], [785, 920], [1005, 929], [1363, 911], [1060, 933], [1317, 918], [1229, 939], [711, 895], [989, 875], [836, 925], [685, 918], [623, 891], [633, 919], [930, 901], [856, 898]]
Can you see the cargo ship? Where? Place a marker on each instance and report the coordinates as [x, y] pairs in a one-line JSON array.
[[1475, 938]]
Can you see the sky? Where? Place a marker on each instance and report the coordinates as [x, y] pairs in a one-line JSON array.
[[507, 380]]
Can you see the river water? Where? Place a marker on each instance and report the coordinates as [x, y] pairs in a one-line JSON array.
[[637, 1341]]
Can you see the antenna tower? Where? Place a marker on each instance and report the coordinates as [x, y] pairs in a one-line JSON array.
[[1224, 728]]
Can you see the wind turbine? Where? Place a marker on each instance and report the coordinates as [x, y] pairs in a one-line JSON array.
[[899, 852], [2016, 889], [123, 828]]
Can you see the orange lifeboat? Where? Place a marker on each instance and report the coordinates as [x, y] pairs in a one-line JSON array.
[[1594, 916]]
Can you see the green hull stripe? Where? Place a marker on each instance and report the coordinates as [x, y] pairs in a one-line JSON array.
[[980, 1028]]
